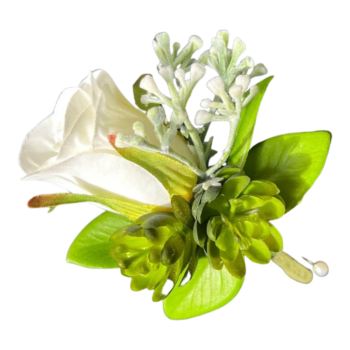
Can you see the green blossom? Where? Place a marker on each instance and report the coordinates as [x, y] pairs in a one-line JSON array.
[[232, 221], [153, 250]]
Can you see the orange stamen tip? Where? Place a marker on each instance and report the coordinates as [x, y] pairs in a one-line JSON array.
[[112, 138]]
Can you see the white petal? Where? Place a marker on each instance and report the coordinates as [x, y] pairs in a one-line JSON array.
[[105, 174], [68, 131], [115, 114]]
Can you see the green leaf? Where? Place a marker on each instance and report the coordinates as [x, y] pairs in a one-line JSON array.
[[292, 161], [200, 233], [182, 211], [246, 125], [229, 171], [263, 188], [176, 177], [173, 249], [258, 252], [91, 247], [208, 290], [274, 241], [125, 206], [234, 186], [138, 92], [221, 205], [237, 267], [272, 208], [214, 255]]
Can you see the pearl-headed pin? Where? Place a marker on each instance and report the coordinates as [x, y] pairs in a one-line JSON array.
[[320, 268]]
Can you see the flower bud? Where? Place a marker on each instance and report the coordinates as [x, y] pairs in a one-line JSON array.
[[148, 84], [203, 117], [258, 70], [243, 81], [203, 59], [178, 117], [139, 130], [124, 140], [236, 92], [252, 92], [206, 103], [196, 42], [163, 40], [224, 35], [180, 75], [167, 72], [216, 86], [176, 48], [156, 116], [237, 49], [197, 73]]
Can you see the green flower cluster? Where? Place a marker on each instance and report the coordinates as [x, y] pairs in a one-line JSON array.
[[153, 250], [232, 220]]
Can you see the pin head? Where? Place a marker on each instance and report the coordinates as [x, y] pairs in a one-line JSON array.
[[320, 268]]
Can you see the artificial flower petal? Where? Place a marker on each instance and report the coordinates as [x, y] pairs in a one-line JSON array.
[[130, 208], [175, 176], [115, 114], [67, 132], [103, 174], [60, 149]]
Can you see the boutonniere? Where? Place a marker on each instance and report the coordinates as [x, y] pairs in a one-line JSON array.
[[175, 222]]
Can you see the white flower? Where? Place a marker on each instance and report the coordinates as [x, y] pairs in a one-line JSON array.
[[70, 148]]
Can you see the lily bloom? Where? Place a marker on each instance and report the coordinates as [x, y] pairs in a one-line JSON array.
[[71, 149]]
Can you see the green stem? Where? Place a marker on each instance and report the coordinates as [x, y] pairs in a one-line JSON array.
[[209, 147], [225, 154], [197, 142]]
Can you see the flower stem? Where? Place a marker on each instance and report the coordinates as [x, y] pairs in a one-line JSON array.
[[231, 139], [197, 142], [209, 147]]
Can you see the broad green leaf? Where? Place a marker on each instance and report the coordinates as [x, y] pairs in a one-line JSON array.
[[292, 161], [91, 247], [208, 290], [246, 125], [176, 177], [125, 206]]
